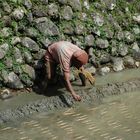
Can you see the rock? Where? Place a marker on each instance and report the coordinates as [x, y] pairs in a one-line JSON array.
[[102, 43], [89, 40], [67, 13], [98, 19], [39, 55], [63, 1], [90, 52], [122, 49], [32, 32], [28, 57], [119, 35], [6, 7], [129, 37], [104, 58], [29, 71], [46, 42], [15, 40], [110, 4], [136, 18], [17, 56], [44, 1], [104, 70], [117, 64], [68, 29], [6, 21], [13, 81], [137, 64], [3, 50], [79, 29], [75, 4], [5, 32], [8, 62], [26, 80], [46, 26], [86, 4], [30, 17], [18, 14], [28, 4], [53, 10], [135, 47], [129, 62], [5, 94], [30, 44], [136, 55], [136, 30]]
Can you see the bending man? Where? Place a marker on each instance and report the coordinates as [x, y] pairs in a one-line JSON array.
[[66, 54]]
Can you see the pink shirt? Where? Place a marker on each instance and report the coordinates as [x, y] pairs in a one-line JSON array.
[[62, 52]]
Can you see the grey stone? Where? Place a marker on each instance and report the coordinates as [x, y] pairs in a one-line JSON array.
[[53, 10], [3, 50], [135, 47], [18, 13], [98, 19], [128, 36], [15, 40], [86, 4], [28, 70], [28, 57], [45, 1], [104, 58], [136, 18], [68, 29], [32, 32], [6, 7], [14, 81], [8, 62], [67, 13], [46, 42], [89, 40], [136, 30], [122, 49], [63, 1], [102, 43], [117, 64], [17, 55], [119, 35], [129, 62], [28, 4], [90, 52], [79, 29], [30, 44], [75, 4], [46, 26], [6, 32], [39, 55], [7, 21], [104, 70]]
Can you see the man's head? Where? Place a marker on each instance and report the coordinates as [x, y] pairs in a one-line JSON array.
[[79, 58]]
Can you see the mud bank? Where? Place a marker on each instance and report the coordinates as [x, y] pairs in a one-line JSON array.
[[89, 96]]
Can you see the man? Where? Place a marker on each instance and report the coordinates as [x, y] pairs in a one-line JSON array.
[[66, 54]]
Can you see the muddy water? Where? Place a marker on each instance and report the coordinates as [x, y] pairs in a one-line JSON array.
[[118, 76], [118, 118]]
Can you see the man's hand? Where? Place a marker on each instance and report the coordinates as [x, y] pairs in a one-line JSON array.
[[69, 87], [76, 97]]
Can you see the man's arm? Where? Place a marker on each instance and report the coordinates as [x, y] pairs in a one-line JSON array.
[[70, 88]]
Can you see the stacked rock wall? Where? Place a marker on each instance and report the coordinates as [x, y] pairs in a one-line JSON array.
[[108, 29]]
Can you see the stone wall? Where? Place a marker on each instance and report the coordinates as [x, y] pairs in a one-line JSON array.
[[109, 30]]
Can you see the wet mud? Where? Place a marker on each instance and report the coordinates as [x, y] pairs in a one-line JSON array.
[[90, 95]]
